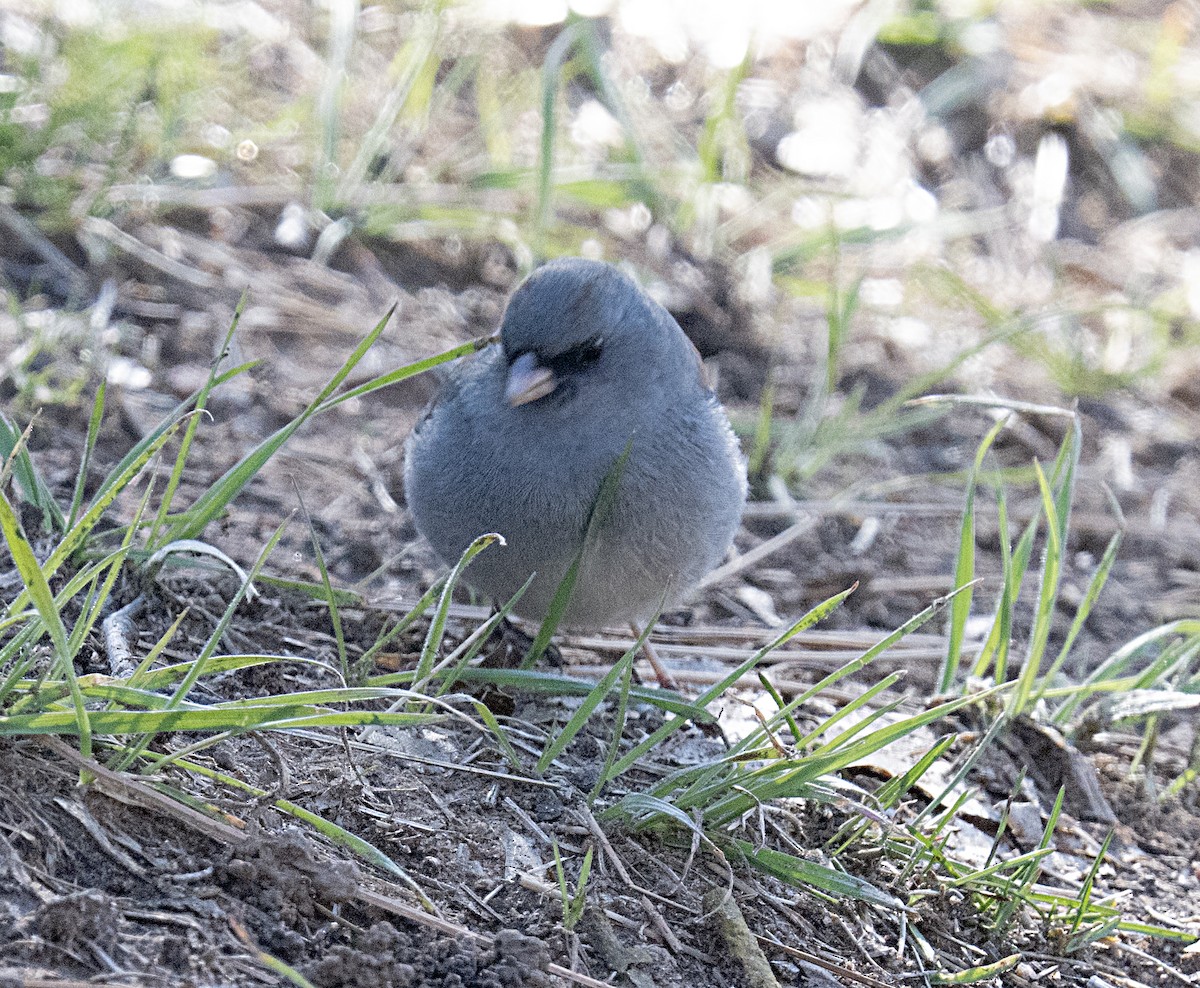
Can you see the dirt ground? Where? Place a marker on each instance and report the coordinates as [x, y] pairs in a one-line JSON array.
[[113, 883]]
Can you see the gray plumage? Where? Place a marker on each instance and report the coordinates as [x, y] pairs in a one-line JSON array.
[[520, 440]]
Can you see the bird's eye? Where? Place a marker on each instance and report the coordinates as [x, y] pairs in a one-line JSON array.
[[577, 358], [590, 352]]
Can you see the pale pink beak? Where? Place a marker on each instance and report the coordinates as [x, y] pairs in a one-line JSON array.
[[528, 381]]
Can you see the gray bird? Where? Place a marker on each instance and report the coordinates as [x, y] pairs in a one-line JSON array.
[[521, 439]]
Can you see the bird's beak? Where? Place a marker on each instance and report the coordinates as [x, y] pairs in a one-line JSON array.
[[528, 381]]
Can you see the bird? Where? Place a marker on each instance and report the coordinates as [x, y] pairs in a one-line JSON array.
[[592, 379]]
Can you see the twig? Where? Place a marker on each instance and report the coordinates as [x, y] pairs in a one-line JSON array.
[[19, 228], [614, 859], [759, 552], [816, 961]]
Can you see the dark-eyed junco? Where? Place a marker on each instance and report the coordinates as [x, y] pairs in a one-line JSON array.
[[521, 439]]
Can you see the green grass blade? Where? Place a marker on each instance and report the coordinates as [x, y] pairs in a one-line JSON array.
[[760, 447], [890, 793], [43, 599], [410, 370], [437, 627], [406, 621], [994, 730], [1047, 599], [592, 51], [89, 446], [14, 455], [493, 725], [994, 653], [590, 702], [1089, 882], [619, 716], [413, 69], [189, 432], [195, 717], [556, 684], [865, 699], [602, 508], [1120, 660], [964, 572], [833, 883], [198, 665], [697, 777], [781, 709], [75, 536], [330, 599], [214, 500], [723, 135], [458, 660], [982, 972], [168, 424], [839, 314], [717, 689], [1095, 585], [140, 677]]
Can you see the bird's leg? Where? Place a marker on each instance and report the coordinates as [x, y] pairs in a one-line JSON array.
[[517, 644], [665, 679]]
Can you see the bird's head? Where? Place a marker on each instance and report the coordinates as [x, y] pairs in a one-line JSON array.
[[579, 327]]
